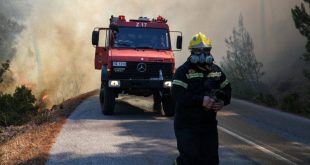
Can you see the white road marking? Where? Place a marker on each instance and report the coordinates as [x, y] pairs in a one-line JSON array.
[[261, 148]]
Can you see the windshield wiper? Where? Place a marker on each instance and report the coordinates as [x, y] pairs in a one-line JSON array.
[[123, 43], [145, 47]]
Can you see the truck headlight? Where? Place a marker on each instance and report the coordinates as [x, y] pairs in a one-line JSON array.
[[167, 84], [114, 83]]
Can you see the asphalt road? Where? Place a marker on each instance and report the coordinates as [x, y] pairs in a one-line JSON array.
[[249, 134]]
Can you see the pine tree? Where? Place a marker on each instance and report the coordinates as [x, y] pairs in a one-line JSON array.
[[240, 64], [3, 68], [301, 17], [302, 23]]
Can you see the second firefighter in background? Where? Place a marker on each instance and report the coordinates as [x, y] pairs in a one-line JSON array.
[[200, 89]]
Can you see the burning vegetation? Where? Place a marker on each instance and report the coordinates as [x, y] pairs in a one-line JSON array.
[[54, 48], [44, 60]]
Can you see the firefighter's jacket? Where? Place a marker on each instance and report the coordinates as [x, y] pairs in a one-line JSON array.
[[190, 84]]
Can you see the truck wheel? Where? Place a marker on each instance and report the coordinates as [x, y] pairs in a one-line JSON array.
[[101, 94], [108, 101], [157, 102], [168, 106]]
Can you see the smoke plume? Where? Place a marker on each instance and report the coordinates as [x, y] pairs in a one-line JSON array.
[[54, 52]]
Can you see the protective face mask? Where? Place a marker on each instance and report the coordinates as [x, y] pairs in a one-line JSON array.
[[194, 59], [201, 58], [209, 59]]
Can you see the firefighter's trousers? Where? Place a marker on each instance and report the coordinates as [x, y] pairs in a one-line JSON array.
[[197, 147]]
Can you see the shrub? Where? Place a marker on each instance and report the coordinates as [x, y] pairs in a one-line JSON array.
[[18, 108], [42, 117], [291, 103], [267, 99]]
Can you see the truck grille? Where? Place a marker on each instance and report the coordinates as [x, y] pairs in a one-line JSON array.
[[152, 71]]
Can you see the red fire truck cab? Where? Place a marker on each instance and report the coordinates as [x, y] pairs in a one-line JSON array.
[[135, 57]]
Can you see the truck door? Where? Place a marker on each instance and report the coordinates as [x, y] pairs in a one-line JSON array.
[[100, 40]]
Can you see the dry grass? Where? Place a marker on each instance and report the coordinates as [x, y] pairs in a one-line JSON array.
[[32, 145]]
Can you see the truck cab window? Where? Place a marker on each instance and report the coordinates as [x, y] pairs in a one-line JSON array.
[[103, 40], [131, 37]]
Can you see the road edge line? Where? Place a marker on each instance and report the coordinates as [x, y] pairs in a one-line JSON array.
[[261, 148]]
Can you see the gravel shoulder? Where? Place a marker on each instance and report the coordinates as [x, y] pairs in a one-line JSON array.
[[31, 143]]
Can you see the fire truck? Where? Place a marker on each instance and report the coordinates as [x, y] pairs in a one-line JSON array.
[[136, 58]]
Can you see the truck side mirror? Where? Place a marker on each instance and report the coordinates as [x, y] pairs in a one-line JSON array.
[[179, 42], [95, 38]]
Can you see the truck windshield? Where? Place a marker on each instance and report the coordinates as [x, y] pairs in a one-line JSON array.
[[142, 38]]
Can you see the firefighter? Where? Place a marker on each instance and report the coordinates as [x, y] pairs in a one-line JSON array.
[[200, 89]]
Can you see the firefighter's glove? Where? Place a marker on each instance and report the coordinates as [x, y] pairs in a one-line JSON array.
[[208, 102], [218, 105]]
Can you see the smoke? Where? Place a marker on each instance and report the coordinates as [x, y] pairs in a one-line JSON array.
[[54, 52], [9, 29], [278, 44]]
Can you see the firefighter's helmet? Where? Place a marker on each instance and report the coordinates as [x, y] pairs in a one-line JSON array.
[[200, 41]]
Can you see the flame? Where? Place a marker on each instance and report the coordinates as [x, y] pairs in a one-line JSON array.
[[44, 97]]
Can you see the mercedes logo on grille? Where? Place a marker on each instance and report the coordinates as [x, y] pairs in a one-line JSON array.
[[141, 67]]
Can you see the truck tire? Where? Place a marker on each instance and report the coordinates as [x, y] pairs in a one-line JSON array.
[[168, 106], [108, 104], [101, 94], [157, 102]]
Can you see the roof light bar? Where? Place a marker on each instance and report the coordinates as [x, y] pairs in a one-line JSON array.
[[121, 18]]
